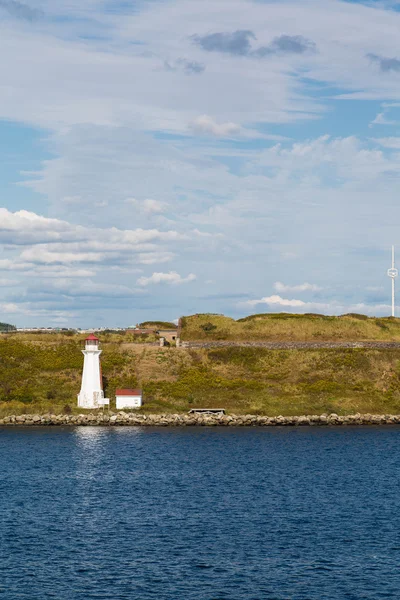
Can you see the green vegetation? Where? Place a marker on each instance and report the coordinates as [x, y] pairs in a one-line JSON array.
[[286, 382], [45, 371], [290, 327], [4, 327], [42, 373], [157, 325]]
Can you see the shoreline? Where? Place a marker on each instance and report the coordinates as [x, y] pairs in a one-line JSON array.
[[186, 420]]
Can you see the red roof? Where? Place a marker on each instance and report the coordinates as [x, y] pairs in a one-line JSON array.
[[128, 392], [92, 338]]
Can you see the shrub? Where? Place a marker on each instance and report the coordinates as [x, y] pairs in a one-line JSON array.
[[358, 316], [207, 327]]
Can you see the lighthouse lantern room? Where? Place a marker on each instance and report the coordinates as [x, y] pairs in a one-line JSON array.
[[91, 394]]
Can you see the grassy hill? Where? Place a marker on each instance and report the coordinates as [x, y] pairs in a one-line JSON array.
[[41, 372], [290, 327], [157, 325]]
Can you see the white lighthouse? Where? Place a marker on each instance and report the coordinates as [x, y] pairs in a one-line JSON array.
[[91, 394]]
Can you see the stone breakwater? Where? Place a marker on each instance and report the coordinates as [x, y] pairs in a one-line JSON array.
[[186, 420]]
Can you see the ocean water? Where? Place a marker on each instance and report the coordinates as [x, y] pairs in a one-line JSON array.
[[200, 513]]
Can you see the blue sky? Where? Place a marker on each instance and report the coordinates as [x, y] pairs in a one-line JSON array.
[[161, 158]]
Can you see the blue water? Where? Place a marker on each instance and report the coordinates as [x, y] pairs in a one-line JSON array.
[[197, 513]]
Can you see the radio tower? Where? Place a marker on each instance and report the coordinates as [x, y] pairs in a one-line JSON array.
[[393, 273]]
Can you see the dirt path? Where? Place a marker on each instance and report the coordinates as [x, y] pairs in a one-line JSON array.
[[293, 345]]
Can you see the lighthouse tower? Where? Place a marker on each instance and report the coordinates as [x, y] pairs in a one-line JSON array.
[[91, 394]]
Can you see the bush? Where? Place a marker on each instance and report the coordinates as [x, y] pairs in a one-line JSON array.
[[207, 327]]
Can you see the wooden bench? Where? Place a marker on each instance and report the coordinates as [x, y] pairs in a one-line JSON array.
[[207, 411]]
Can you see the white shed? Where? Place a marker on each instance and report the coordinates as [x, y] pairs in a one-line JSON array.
[[128, 398]]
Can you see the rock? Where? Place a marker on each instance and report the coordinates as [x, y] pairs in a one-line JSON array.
[[204, 420]]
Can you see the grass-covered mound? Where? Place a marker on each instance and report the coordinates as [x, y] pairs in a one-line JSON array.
[[283, 382], [290, 327], [43, 373], [44, 370], [157, 325]]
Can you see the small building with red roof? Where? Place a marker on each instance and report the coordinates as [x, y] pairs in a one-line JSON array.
[[128, 398]]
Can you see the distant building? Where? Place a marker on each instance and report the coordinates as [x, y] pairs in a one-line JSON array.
[[128, 398], [170, 335]]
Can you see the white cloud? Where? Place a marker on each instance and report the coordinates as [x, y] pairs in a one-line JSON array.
[[382, 119], [276, 301], [348, 158], [26, 309], [148, 206], [85, 288], [111, 135], [389, 142], [171, 278], [45, 241], [8, 282], [328, 308], [206, 125], [152, 258], [302, 287]]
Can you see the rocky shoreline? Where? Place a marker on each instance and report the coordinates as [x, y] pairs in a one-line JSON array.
[[186, 420]]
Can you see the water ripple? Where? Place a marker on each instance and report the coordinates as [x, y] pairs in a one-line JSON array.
[[199, 514]]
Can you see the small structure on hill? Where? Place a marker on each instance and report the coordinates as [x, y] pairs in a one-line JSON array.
[[168, 336], [92, 394], [141, 331], [128, 398]]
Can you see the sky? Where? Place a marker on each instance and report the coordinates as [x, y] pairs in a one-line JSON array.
[[166, 157]]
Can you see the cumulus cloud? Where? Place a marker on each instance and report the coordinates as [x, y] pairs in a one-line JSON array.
[[189, 67], [84, 288], [171, 278], [206, 125], [20, 10], [302, 287], [237, 43], [286, 44], [277, 301], [382, 119], [384, 63], [332, 307], [148, 206], [106, 142], [346, 158], [24, 228], [64, 263], [4, 282], [27, 309], [152, 258], [389, 142]]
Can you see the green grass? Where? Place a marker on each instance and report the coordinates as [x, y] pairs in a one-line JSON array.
[[157, 325], [43, 373], [290, 327]]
